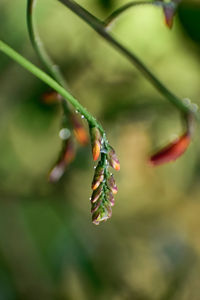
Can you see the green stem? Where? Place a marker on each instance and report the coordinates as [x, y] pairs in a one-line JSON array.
[[38, 45], [51, 82], [53, 69], [115, 15], [98, 26]]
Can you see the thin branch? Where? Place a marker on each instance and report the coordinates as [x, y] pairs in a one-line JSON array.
[[98, 26], [37, 43], [39, 47], [51, 82], [118, 12]]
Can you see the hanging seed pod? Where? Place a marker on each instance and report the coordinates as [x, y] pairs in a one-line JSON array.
[[79, 131], [66, 157], [51, 97], [177, 148], [56, 172], [169, 12], [98, 176], [172, 151], [113, 160], [96, 142], [112, 185], [69, 153]]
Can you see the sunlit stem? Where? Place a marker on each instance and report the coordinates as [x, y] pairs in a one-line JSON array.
[[98, 26], [37, 43], [118, 12], [50, 82]]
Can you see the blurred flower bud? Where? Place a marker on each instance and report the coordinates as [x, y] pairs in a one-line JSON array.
[[69, 153], [113, 160], [169, 12], [57, 172], [172, 151], [96, 142], [79, 131], [112, 185], [51, 97], [98, 176], [66, 157]]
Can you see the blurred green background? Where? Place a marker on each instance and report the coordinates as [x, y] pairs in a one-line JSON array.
[[49, 249]]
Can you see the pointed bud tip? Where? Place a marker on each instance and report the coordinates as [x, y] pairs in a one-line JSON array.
[[96, 150], [171, 152], [51, 97], [169, 22], [117, 166], [81, 136], [169, 12]]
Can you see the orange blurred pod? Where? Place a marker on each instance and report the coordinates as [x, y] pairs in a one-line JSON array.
[[96, 142], [51, 97], [172, 151]]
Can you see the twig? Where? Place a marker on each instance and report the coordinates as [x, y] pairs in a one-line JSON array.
[[51, 82], [98, 26]]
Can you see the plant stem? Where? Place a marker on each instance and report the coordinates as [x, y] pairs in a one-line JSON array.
[[111, 18], [51, 82], [98, 26], [38, 45], [53, 69]]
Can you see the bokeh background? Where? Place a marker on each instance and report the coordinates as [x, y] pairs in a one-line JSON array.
[[49, 249]]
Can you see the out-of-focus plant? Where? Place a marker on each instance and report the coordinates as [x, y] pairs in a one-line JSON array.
[[103, 184]]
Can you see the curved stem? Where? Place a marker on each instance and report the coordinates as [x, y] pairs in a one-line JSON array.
[[51, 82], [53, 69], [38, 45], [115, 15], [98, 26]]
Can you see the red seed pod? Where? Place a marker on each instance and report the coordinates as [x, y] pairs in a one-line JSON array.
[[96, 142], [79, 131], [172, 151], [96, 193], [69, 153], [169, 12], [66, 157], [98, 176], [57, 172], [51, 97], [112, 185], [113, 160]]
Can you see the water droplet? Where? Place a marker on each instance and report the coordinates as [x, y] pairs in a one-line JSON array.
[[82, 117], [194, 107], [95, 167], [187, 101], [76, 111], [90, 198], [64, 133]]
